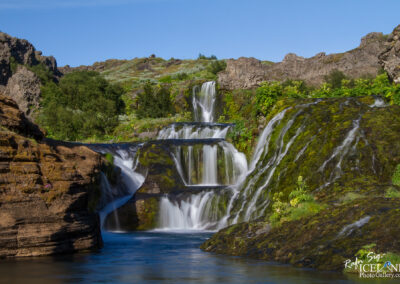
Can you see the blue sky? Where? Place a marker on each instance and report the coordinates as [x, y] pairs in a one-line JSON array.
[[84, 31]]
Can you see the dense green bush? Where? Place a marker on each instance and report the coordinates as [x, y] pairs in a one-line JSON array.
[[43, 73], [154, 102], [83, 104], [202, 56], [216, 66]]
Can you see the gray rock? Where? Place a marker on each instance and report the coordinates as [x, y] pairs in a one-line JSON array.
[[248, 73], [24, 88], [390, 58]]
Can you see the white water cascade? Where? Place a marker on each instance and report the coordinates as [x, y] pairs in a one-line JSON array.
[[207, 161], [114, 196]]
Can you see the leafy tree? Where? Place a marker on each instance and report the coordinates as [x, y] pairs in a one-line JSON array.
[[154, 102], [82, 105]]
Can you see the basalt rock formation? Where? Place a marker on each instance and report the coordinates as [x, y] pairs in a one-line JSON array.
[[48, 190], [16, 81], [248, 73]]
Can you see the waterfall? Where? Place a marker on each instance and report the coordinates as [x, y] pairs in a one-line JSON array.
[[204, 102], [114, 196], [213, 164]]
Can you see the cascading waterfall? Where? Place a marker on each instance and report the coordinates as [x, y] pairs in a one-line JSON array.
[[213, 164], [114, 196], [204, 102]]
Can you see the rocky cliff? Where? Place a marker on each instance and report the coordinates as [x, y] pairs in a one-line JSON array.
[[16, 81], [390, 57], [376, 51], [47, 190]]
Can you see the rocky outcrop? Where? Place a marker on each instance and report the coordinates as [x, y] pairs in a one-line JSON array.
[[11, 118], [247, 73], [390, 58], [24, 88], [16, 81], [48, 191]]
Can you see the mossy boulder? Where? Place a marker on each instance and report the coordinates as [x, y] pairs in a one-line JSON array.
[[140, 213], [338, 145], [162, 176], [322, 241], [346, 150]]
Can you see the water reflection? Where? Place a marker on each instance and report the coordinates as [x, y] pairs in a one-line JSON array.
[[153, 257]]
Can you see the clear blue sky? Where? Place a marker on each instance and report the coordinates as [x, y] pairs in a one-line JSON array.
[[84, 31]]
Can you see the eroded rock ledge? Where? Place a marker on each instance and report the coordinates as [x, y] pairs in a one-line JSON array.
[[47, 191]]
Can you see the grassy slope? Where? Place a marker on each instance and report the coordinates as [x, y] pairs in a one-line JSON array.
[[179, 75]]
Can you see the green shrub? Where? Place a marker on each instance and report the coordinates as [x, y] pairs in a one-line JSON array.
[[82, 105], [202, 56], [301, 204], [154, 102], [216, 66], [43, 73], [266, 96]]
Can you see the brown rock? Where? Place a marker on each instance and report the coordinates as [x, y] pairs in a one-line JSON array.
[[390, 57], [46, 191], [248, 73]]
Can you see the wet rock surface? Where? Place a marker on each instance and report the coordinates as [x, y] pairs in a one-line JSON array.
[[346, 151]]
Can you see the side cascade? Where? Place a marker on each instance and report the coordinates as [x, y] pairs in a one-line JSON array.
[[127, 179], [215, 164]]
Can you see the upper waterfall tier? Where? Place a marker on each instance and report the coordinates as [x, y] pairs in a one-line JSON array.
[[204, 102], [194, 130]]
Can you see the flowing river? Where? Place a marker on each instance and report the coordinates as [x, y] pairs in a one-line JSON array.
[[154, 257]]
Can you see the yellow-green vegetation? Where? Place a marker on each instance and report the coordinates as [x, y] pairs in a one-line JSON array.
[[392, 193], [351, 196], [396, 176], [301, 204], [368, 254], [239, 109]]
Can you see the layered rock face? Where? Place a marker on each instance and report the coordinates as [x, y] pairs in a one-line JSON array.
[[247, 73], [47, 191], [390, 58], [346, 150], [16, 81]]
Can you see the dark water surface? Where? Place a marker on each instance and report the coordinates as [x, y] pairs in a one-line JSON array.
[[154, 257]]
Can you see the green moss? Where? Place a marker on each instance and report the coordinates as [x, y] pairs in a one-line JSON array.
[[392, 193], [396, 176], [351, 196]]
